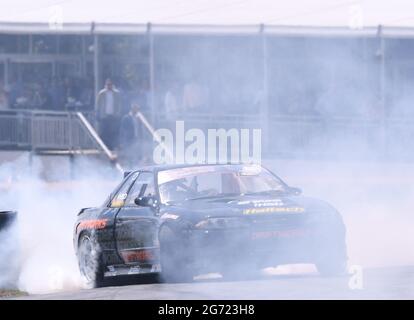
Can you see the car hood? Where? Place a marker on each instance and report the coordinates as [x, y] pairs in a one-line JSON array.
[[248, 206]]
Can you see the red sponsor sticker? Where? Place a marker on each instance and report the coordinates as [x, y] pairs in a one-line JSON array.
[[92, 224], [138, 255], [278, 234]]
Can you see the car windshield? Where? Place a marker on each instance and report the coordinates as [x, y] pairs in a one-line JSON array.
[[216, 181]]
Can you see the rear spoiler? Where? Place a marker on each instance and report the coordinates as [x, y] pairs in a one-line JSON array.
[[83, 210], [126, 173]]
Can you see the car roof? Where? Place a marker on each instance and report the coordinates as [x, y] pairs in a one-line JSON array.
[[161, 167]]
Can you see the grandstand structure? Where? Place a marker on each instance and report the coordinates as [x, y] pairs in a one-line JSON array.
[[318, 92]]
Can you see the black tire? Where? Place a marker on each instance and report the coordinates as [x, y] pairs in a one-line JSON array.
[[90, 262], [175, 264]]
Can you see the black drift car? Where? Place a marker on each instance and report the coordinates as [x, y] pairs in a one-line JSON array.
[[9, 245], [181, 221]]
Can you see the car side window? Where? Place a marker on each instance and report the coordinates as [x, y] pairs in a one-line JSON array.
[[119, 199], [143, 187], [211, 181]]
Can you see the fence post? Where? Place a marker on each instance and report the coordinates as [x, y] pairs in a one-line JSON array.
[[151, 72], [32, 138], [72, 166], [265, 87], [31, 141], [70, 132], [96, 71], [382, 96]]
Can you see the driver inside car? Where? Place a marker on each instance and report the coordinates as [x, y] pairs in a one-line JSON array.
[[175, 190]]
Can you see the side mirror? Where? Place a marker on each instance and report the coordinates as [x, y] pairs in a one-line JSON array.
[[148, 201], [295, 191]]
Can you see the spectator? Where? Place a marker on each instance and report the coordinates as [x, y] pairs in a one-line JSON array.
[[70, 93], [4, 100], [24, 98], [135, 140], [40, 98], [87, 96], [109, 109], [129, 130], [56, 94], [15, 89]]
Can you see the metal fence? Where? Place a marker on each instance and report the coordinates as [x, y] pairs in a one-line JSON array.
[[40, 130], [288, 137], [318, 137], [15, 129]]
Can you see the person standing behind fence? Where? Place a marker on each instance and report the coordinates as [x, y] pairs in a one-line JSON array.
[[132, 137], [109, 111], [4, 99]]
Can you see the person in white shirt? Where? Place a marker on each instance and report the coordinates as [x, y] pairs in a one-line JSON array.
[[109, 109]]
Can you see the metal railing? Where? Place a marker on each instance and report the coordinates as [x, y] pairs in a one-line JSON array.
[[51, 132], [37, 130], [59, 131], [15, 129], [97, 139], [319, 137], [282, 136]]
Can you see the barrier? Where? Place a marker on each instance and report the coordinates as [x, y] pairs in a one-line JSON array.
[[282, 136]]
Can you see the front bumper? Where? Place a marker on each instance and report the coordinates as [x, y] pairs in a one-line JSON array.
[[218, 249]]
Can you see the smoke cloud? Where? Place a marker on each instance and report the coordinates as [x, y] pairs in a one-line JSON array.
[[374, 198], [41, 242]]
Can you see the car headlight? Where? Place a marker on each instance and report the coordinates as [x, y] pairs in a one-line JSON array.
[[221, 223]]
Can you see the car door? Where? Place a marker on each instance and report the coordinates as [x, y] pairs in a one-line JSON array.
[[136, 226]]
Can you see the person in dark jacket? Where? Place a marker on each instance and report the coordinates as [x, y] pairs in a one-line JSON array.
[[131, 137], [109, 110]]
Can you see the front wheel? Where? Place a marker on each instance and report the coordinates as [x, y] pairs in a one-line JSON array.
[[175, 264], [89, 258]]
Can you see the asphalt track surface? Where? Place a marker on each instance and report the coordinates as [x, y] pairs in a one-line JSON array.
[[377, 283]]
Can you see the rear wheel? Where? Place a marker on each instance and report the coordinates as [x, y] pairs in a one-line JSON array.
[[89, 258]]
